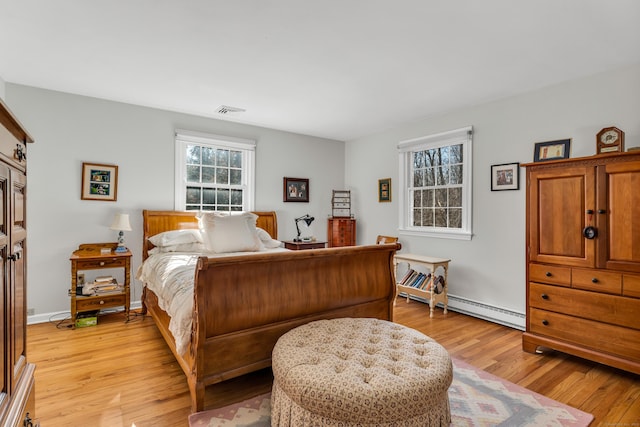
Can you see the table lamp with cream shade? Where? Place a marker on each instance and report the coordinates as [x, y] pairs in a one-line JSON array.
[[121, 224]]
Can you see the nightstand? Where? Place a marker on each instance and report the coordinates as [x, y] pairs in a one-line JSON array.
[[96, 256], [297, 246]]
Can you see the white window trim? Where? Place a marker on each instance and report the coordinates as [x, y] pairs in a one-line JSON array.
[[183, 137], [462, 136]]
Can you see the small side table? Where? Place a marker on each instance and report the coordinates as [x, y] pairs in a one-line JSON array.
[[89, 256], [431, 264], [297, 246]]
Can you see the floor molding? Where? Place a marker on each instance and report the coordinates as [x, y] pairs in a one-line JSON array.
[[458, 304], [62, 315], [491, 313]]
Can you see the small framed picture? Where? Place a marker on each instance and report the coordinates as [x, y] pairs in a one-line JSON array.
[[295, 189], [552, 150], [505, 177], [384, 190], [99, 182]]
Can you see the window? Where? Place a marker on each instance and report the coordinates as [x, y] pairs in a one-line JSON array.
[[435, 184], [214, 172]]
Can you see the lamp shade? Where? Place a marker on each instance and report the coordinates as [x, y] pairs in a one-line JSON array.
[[121, 222]]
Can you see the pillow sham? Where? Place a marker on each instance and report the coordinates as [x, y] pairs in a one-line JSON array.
[[267, 240], [195, 247], [229, 233], [176, 237]]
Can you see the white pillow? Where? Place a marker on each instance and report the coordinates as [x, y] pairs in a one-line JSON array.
[[176, 237], [267, 240], [230, 233], [195, 247]]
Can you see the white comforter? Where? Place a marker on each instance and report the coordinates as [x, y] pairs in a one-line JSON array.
[[170, 276]]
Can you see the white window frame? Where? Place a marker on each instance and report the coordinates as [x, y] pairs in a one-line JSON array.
[[406, 149], [248, 146]]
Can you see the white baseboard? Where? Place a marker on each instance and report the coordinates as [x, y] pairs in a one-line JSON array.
[[62, 315], [491, 313], [501, 316]]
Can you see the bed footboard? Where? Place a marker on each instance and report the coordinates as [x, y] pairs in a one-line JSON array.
[[243, 304]]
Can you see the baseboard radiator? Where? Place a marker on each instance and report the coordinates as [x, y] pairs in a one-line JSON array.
[[480, 310]]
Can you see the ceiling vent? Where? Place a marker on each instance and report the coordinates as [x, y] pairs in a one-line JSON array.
[[229, 111]]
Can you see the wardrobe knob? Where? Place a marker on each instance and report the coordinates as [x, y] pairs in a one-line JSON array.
[[545, 322], [594, 280], [548, 274], [544, 296]]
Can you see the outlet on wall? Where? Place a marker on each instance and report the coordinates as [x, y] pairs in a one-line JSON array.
[[31, 311]]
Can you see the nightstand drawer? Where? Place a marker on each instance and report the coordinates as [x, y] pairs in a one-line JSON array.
[[101, 263], [100, 302]]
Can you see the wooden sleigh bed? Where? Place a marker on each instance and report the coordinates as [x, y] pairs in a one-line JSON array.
[[242, 304]]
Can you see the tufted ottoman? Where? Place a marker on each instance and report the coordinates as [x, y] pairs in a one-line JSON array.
[[359, 372]]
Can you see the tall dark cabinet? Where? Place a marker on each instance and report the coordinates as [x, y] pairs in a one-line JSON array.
[[17, 386]]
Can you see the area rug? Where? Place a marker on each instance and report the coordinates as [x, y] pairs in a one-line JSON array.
[[477, 398]]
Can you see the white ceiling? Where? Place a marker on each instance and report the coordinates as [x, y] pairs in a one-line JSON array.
[[339, 69]]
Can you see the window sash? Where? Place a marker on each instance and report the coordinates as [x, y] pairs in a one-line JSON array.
[[220, 191], [448, 213]]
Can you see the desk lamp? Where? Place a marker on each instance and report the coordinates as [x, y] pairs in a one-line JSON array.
[[306, 218]]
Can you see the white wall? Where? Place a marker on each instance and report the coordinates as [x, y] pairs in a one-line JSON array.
[[2, 88], [70, 129], [490, 269]]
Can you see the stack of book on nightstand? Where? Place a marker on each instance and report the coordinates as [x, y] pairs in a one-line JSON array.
[[103, 285]]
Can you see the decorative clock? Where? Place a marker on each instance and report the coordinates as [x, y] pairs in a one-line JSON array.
[[610, 140]]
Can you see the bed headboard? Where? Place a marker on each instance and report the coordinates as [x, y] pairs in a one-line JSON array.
[[154, 222]]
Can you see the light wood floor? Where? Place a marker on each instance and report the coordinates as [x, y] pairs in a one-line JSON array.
[[117, 374]]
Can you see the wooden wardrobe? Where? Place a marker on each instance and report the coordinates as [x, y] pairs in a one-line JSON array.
[[17, 396], [583, 251]]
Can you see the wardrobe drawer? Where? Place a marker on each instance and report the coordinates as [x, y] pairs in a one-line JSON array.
[[631, 285], [615, 310], [599, 336], [550, 274], [596, 280]]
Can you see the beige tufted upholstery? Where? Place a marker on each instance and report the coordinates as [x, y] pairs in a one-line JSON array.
[[359, 372]]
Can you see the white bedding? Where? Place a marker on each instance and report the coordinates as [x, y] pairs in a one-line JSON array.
[[170, 276]]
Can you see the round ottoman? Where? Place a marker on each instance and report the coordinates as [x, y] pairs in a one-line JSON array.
[[359, 372]]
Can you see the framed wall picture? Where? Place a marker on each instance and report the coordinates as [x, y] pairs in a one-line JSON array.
[[295, 189], [505, 177], [384, 190], [551, 150], [99, 182]]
